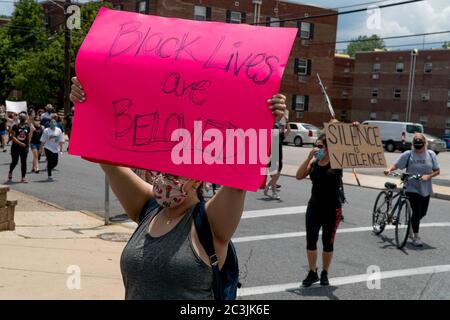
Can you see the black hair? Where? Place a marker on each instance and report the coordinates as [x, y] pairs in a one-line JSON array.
[[200, 192], [322, 137]]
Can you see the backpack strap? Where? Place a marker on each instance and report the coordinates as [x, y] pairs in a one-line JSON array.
[[206, 239], [407, 161]]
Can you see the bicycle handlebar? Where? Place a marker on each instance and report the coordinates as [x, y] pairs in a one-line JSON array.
[[406, 176]]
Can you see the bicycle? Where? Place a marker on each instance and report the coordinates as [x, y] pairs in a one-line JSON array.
[[399, 214]]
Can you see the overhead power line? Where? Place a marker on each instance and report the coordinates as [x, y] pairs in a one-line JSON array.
[[332, 14]]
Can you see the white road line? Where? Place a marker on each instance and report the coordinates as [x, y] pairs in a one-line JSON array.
[[339, 281], [273, 212], [345, 230]]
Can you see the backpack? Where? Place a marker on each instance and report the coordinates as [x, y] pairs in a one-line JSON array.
[[409, 157], [225, 281], [342, 198]]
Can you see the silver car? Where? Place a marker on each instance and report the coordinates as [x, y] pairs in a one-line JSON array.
[[435, 144], [301, 133]]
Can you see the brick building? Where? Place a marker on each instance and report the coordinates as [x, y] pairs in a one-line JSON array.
[[313, 51], [341, 96], [381, 88], [4, 21], [53, 14]]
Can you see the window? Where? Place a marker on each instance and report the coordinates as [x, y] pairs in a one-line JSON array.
[[399, 67], [397, 93], [447, 123], [428, 67], [235, 17], [293, 126], [425, 95], [423, 120], [300, 103], [344, 115], [395, 117], [411, 128], [200, 13], [448, 99], [274, 22], [346, 72], [118, 6], [142, 7], [344, 94], [373, 116], [376, 68], [305, 30], [302, 67], [375, 92]]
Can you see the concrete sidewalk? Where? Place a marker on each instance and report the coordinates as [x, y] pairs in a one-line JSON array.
[[50, 245], [370, 181]]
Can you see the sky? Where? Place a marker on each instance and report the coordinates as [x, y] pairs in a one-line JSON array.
[[422, 17]]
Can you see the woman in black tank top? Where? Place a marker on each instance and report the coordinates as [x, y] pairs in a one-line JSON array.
[[165, 259], [324, 208], [36, 132]]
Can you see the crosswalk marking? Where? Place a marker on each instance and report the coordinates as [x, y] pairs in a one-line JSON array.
[[273, 212], [345, 230], [339, 281]]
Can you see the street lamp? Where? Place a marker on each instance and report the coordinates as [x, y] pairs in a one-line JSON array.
[[409, 98]]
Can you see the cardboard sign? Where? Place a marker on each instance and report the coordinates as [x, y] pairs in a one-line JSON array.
[[16, 106], [147, 76], [353, 146]]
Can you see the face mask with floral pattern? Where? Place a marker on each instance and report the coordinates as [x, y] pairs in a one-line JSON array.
[[169, 190]]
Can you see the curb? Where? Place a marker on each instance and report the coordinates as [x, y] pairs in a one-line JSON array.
[[36, 199], [440, 196]]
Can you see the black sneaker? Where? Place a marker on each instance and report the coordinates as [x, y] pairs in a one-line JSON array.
[[310, 278], [324, 278]]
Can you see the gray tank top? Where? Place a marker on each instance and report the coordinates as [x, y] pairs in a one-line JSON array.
[[166, 267]]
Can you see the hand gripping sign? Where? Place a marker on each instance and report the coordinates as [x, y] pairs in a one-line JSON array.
[[183, 97]]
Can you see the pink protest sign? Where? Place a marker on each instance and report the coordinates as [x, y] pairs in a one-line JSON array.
[[179, 96]]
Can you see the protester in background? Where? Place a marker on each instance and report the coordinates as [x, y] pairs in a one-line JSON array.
[[52, 141], [36, 133], [272, 184], [47, 115], [68, 119], [324, 208], [418, 161], [20, 135], [59, 122], [166, 229], [3, 131]]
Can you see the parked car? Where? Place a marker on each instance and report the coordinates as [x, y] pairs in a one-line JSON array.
[[446, 138], [396, 135], [435, 144], [301, 133]]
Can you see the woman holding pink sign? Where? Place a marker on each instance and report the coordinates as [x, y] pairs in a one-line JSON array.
[[164, 259]]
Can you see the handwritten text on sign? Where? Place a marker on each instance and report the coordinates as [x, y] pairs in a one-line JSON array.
[[179, 96], [353, 146]]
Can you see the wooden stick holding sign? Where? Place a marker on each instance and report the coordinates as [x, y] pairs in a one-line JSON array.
[[333, 115], [353, 146]]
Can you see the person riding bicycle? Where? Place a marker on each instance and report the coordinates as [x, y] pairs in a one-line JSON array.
[[418, 161]]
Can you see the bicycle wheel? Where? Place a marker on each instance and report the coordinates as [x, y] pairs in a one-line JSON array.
[[379, 213], [403, 223]]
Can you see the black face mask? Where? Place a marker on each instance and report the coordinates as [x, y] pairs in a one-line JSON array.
[[418, 144]]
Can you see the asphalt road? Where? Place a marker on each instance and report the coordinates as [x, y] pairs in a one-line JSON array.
[[271, 244]]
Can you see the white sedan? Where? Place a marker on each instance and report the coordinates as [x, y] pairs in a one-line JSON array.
[[301, 133]]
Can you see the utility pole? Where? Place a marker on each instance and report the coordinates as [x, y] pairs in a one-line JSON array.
[[66, 60], [409, 98]]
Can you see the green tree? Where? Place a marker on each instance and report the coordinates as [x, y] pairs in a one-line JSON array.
[[364, 43], [26, 28], [446, 45], [38, 74], [5, 59]]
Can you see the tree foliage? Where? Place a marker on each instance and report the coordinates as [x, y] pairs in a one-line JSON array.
[[364, 43]]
